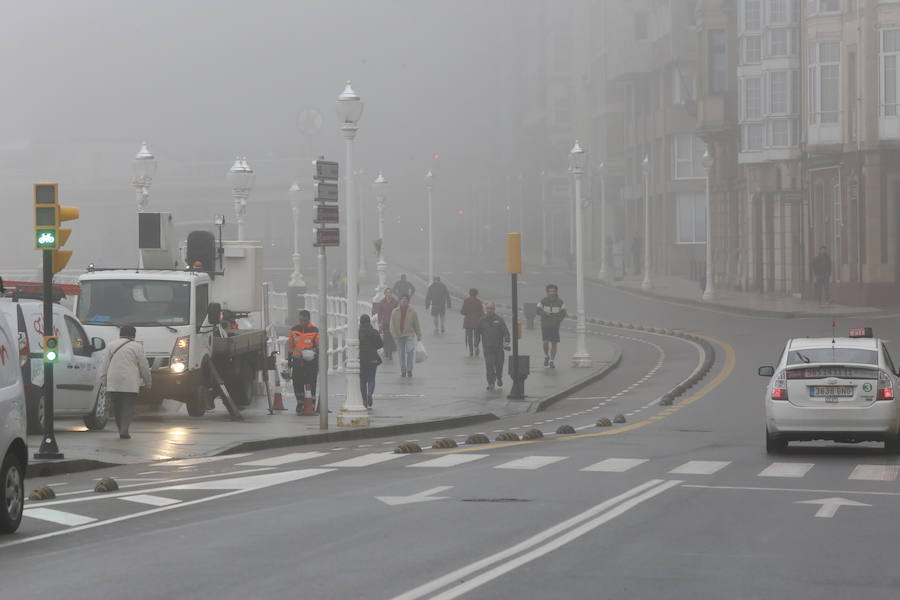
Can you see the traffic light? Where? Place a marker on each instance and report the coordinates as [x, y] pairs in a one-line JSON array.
[[51, 348], [48, 215]]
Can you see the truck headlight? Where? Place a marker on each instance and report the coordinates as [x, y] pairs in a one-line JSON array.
[[178, 367], [180, 353]]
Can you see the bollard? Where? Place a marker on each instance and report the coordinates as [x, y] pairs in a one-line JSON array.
[[530, 309], [309, 403]]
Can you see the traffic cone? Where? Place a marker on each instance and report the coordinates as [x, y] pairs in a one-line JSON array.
[[309, 403], [278, 403]]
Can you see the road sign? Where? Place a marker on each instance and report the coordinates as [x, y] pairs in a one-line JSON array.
[[327, 214], [326, 192], [327, 237], [326, 169]]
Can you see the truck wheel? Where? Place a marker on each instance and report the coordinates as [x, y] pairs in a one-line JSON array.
[[196, 406], [12, 493], [34, 411], [97, 419]]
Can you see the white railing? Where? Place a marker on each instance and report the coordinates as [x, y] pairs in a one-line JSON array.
[[278, 307]]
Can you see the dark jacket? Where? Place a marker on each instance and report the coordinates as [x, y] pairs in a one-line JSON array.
[[438, 295], [494, 332], [552, 310], [369, 343], [822, 266], [472, 311], [403, 288]]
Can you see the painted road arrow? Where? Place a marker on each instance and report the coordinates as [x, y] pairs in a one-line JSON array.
[[425, 496], [830, 506]]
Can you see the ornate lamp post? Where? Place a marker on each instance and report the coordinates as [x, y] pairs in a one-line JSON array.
[[296, 194], [349, 109], [647, 283], [240, 178], [379, 186], [604, 271], [709, 292], [577, 160], [144, 166], [429, 186]]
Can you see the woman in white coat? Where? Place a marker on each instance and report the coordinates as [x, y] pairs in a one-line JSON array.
[[123, 373]]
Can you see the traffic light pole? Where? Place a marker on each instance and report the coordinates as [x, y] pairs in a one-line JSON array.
[[49, 448]]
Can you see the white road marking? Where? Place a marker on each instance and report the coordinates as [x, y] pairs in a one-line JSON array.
[[830, 506], [700, 467], [425, 496], [284, 459], [252, 482], [450, 460], [779, 469], [57, 516], [615, 465], [150, 499], [570, 530], [185, 462], [366, 460], [875, 472], [531, 462]]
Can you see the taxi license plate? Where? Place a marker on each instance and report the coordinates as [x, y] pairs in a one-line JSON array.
[[832, 391]]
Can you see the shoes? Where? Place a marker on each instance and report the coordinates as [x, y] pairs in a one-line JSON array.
[[546, 361], [409, 373], [499, 383], [124, 436], [471, 354], [490, 387], [402, 373], [551, 365], [477, 351], [442, 329]]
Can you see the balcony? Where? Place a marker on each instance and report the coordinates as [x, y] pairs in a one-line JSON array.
[[716, 113], [631, 59]]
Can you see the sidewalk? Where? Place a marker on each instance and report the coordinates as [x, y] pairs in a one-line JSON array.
[[447, 390], [689, 292]]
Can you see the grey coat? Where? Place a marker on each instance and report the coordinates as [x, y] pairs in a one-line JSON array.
[[125, 367]]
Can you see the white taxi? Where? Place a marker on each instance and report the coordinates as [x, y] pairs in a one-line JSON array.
[[839, 389]]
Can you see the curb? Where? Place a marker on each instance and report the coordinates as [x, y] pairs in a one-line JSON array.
[[76, 465], [540, 405]]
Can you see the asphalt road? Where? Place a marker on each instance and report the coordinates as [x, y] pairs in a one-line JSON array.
[[680, 503]]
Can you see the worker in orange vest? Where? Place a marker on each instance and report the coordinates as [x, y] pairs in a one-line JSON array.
[[303, 357]]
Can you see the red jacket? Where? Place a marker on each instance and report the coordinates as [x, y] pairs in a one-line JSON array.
[[384, 310], [472, 310]]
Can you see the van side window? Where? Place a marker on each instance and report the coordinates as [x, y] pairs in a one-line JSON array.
[[80, 344], [201, 303]]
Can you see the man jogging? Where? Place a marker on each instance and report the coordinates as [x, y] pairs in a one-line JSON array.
[[494, 340], [303, 357], [552, 311], [404, 288], [438, 298]]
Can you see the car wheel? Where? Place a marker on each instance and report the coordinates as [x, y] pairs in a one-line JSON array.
[[775, 444], [196, 406], [34, 411], [892, 445], [97, 419], [12, 494]]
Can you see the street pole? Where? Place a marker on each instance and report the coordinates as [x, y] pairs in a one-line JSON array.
[[429, 184], [380, 186], [353, 412], [361, 222], [545, 253], [709, 292], [517, 364], [323, 339], [49, 448], [240, 177], [603, 275], [296, 284], [647, 283], [581, 358]]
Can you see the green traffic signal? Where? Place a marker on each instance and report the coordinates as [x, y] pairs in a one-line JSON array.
[[51, 348], [46, 239]]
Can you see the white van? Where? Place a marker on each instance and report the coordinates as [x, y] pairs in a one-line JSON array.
[[76, 374], [13, 449]]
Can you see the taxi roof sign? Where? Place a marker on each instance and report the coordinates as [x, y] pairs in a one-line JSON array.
[[861, 332]]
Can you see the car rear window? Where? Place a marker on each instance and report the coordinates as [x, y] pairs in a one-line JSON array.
[[833, 355]]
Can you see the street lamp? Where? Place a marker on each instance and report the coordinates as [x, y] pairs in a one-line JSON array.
[[296, 193], [603, 275], [361, 225], [349, 109], [577, 160], [429, 185], [709, 292], [379, 186], [144, 166], [647, 284], [240, 178]]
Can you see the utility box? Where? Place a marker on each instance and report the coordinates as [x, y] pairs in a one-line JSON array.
[[156, 241], [240, 288], [523, 368], [530, 313]]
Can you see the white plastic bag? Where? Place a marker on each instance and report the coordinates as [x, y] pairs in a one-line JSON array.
[[421, 353]]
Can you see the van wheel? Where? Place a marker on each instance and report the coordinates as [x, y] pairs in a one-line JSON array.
[[12, 493], [775, 444], [97, 419], [34, 411], [196, 406]]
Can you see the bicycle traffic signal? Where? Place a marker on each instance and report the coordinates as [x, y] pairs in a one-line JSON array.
[[48, 215]]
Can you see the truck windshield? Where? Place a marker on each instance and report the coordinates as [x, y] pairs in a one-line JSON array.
[[135, 302]]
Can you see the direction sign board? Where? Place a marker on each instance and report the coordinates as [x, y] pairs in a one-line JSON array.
[[327, 214], [327, 237], [326, 192], [326, 169]]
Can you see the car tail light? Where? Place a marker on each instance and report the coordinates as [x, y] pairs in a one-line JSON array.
[[885, 386], [779, 387]]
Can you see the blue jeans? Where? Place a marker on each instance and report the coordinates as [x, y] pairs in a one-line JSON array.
[[367, 372], [406, 346]]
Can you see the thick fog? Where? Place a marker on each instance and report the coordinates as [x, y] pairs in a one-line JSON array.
[[205, 81]]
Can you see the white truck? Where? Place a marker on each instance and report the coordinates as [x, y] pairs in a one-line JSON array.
[[176, 312]]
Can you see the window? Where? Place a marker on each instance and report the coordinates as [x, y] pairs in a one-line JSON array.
[[80, 344], [826, 6], [890, 51], [718, 61], [751, 137], [752, 15], [824, 82], [144, 303], [640, 26], [779, 133], [682, 86], [201, 302], [778, 92], [778, 14], [752, 49], [688, 157], [779, 42], [752, 99], [691, 209]]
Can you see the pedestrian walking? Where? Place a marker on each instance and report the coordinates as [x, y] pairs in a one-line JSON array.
[[303, 357], [402, 287], [369, 343], [472, 311], [383, 310], [406, 331], [438, 298], [495, 340], [822, 268], [124, 371], [552, 311]]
